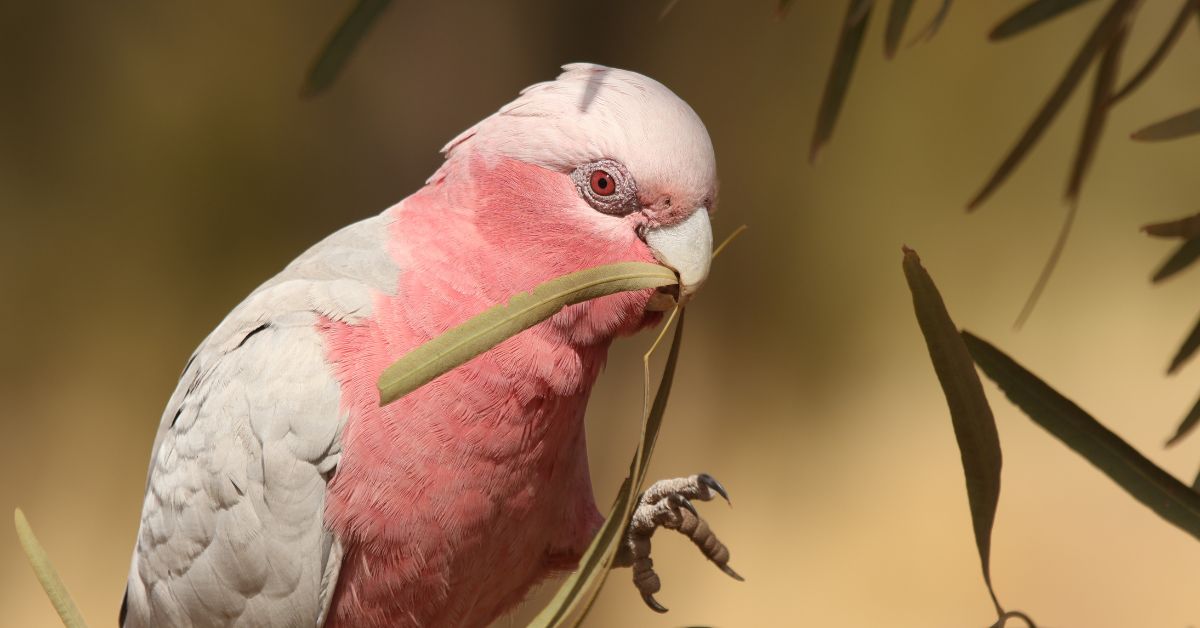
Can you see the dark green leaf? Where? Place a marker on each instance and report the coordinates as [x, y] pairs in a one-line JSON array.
[[1187, 228], [577, 593], [1186, 350], [1186, 425], [341, 44], [1100, 38], [60, 598], [1183, 257], [1161, 51], [974, 426], [1175, 127], [1154, 488], [897, 19], [1031, 15], [1196, 483], [844, 59]]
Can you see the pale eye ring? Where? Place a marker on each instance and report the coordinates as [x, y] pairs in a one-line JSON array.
[[606, 185]]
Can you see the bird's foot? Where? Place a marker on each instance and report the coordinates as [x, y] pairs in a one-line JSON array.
[[668, 504]]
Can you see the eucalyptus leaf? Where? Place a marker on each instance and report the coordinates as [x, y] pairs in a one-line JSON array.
[[840, 72], [524, 310], [934, 24], [1031, 15], [1093, 126], [577, 593], [1143, 480], [897, 19], [1175, 127], [46, 574], [1186, 350], [1160, 52], [1184, 256], [1188, 228], [1100, 38], [1186, 425], [974, 425], [341, 44]]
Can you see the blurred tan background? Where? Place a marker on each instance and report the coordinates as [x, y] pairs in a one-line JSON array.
[[156, 164]]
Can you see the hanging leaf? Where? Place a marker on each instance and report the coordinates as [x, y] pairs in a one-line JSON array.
[[341, 44], [897, 19], [1175, 127], [1186, 425], [1160, 53], [1186, 350], [836, 85], [1031, 15], [1100, 38], [934, 24], [1092, 129], [1184, 256], [577, 593], [492, 326], [46, 574], [974, 426], [1188, 228], [1102, 94], [1154, 488]]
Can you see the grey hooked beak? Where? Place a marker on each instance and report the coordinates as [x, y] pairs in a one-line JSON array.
[[685, 247]]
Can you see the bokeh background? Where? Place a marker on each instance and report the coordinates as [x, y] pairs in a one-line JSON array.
[[156, 164]]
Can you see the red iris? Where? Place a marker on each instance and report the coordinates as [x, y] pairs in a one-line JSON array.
[[603, 183]]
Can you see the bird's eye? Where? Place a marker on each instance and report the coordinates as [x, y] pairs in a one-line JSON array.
[[606, 186], [603, 183]]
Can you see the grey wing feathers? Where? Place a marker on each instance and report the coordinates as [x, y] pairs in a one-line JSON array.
[[232, 530]]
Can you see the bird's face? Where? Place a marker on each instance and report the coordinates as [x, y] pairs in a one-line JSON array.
[[629, 165]]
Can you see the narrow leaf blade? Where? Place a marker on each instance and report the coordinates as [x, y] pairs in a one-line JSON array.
[[577, 593], [897, 20], [46, 574], [1187, 228], [840, 72], [1186, 350], [1186, 425], [1093, 126], [1143, 480], [1160, 52], [522, 311], [1175, 127], [1100, 37], [935, 24], [1031, 15], [1184, 256], [974, 426], [341, 45]]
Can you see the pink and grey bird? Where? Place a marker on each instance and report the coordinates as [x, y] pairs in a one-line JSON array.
[[281, 494]]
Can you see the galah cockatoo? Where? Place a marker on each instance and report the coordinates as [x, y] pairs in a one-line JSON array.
[[281, 494]]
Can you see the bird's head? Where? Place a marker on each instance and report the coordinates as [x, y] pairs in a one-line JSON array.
[[605, 164]]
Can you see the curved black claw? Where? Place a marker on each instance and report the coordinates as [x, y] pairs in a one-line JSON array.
[[683, 502], [731, 573], [712, 483], [653, 603]]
